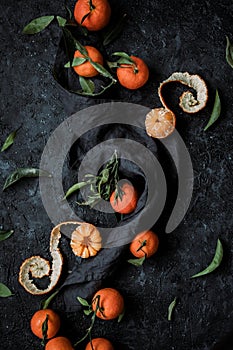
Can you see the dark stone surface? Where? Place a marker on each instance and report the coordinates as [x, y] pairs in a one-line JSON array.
[[170, 36]]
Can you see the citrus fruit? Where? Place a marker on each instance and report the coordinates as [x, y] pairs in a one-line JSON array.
[[86, 240], [108, 304], [133, 76], [39, 318], [94, 15], [144, 244], [86, 69], [124, 200], [160, 123], [59, 343], [99, 344]]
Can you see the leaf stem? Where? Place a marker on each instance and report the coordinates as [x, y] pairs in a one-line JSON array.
[[92, 7], [93, 318], [45, 330]]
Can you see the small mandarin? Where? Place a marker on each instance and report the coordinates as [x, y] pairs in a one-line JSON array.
[[124, 202], [133, 76], [93, 16], [39, 318], [108, 304], [59, 343], [99, 344], [86, 69], [144, 244]]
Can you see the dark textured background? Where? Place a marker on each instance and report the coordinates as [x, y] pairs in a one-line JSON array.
[[170, 36]]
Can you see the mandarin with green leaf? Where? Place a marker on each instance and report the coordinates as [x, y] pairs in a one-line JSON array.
[[86, 69], [92, 14], [145, 244], [133, 75], [124, 199], [53, 323], [108, 304]]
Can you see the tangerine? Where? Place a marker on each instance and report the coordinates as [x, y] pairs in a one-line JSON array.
[[86, 69], [39, 318], [133, 76], [124, 200], [99, 344], [86, 240], [160, 123], [144, 244], [59, 343], [108, 304], [94, 15]]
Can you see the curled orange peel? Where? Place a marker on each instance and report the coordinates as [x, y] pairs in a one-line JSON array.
[[38, 267], [188, 102]]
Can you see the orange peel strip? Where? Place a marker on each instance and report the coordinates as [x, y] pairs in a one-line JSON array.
[[38, 267], [188, 102]]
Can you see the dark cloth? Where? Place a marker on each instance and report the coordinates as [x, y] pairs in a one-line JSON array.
[[87, 275]]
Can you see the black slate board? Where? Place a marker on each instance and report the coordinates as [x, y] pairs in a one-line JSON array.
[[169, 36]]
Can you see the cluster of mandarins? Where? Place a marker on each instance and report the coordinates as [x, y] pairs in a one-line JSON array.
[[146, 243], [45, 323], [95, 15], [110, 306]]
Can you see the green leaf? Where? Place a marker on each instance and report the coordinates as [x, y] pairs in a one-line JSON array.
[[121, 316], [5, 234], [4, 291], [102, 70], [87, 312], [24, 172], [84, 93], [75, 188], [61, 21], [171, 308], [215, 112], [113, 64], [229, 52], [37, 24], [45, 303], [67, 65], [90, 202], [214, 263], [137, 262], [104, 175], [87, 85], [123, 55], [45, 330], [77, 45], [76, 62], [72, 44], [114, 31], [9, 140], [83, 302], [124, 60]]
